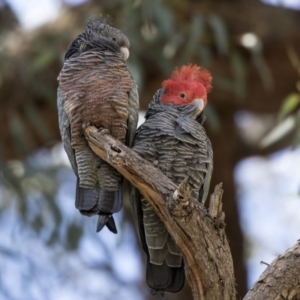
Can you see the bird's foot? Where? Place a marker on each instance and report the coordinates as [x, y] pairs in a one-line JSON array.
[[85, 124]]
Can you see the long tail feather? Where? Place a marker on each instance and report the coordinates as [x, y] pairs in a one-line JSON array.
[[99, 202], [164, 278]]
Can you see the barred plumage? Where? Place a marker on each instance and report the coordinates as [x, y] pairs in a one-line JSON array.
[[173, 139], [96, 88]]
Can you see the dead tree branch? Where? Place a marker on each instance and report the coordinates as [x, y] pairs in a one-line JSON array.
[[199, 234], [281, 279]]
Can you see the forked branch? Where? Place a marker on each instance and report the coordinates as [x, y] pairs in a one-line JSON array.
[[198, 233]]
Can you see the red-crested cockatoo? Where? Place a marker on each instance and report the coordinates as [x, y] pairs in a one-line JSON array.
[[173, 139]]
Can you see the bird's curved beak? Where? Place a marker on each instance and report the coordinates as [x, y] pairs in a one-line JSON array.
[[199, 103], [125, 52]]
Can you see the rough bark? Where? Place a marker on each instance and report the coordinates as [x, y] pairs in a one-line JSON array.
[[274, 25], [281, 280], [199, 234], [225, 158]]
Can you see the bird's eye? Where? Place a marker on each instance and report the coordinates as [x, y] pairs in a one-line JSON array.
[[182, 95], [114, 39]]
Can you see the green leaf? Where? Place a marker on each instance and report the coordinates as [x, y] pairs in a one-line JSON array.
[[37, 223], [20, 135], [239, 71], [74, 235], [46, 91], [33, 117], [43, 60], [263, 69], [219, 32], [205, 55], [192, 45], [54, 238], [223, 83], [278, 132], [289, 104], [55, 210], [136, 72], [10, 179], [293, 57], [213, 119], [296, 141], [163, 18]]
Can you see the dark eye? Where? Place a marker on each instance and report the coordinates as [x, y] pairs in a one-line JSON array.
[[114, 39], [182, 95]]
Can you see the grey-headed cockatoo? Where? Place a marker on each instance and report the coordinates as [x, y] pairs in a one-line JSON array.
[[173, 139], [96, 88]]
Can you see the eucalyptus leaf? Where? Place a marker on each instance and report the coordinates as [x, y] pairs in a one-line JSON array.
[[278, 132], [45, 91], [74, 234], [263, 69], [193, 42], [205, 55], [296, 141], [43, 60], [54, 237], [9, 179], [54, 209], [289, 104], [239, 71], [33, 117], [223, 83], [213, 119], [163, 18], [293, 57], [37, 224], [219, 32], [20, 134]]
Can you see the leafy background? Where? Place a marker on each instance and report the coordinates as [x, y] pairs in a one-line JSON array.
[[49, 251]]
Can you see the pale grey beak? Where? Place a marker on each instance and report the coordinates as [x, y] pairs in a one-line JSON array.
[[125, 52], [199, 103]]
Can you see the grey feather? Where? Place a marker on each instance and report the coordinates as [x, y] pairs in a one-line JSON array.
[[173, 138], [96, 88]]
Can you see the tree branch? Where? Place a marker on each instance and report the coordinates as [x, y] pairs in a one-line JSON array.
[[281, 280], [199, 234]]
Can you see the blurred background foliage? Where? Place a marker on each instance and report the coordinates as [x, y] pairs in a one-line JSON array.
[[250, 48]]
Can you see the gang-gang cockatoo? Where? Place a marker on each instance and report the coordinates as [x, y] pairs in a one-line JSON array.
[[173, 139], [96, 88]]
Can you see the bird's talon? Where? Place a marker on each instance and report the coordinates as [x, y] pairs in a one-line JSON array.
[[85, 125]]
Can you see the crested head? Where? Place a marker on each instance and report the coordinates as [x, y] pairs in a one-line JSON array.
[[101, 27], [100, 36], [187, 85], [194, 74]]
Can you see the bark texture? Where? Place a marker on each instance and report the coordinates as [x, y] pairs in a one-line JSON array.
[[281, 280], [198, 233]]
